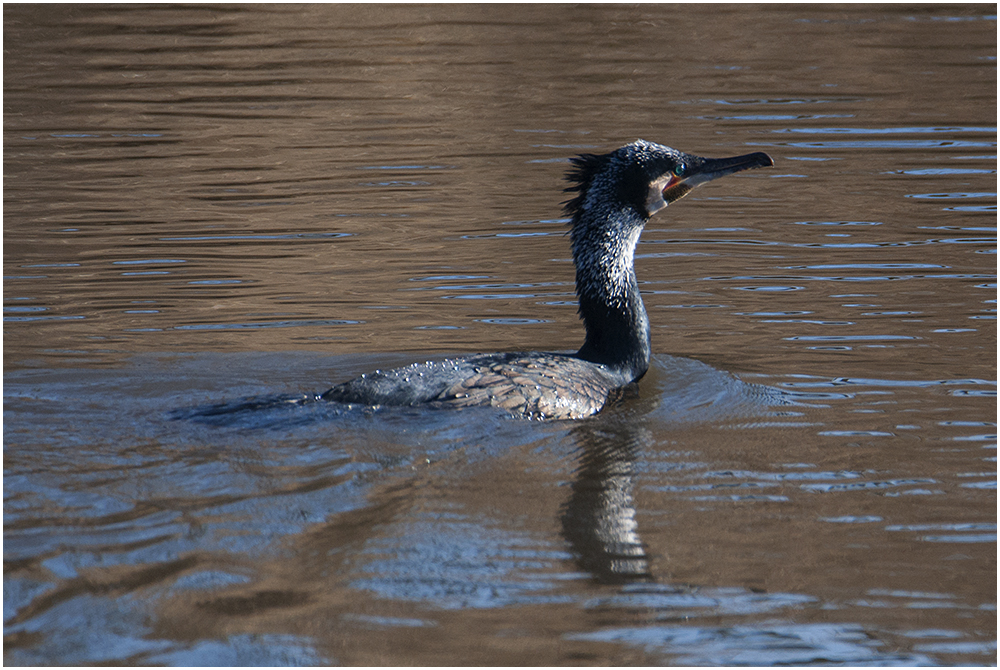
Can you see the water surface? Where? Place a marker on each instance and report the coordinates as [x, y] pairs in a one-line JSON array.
[[206, 204]]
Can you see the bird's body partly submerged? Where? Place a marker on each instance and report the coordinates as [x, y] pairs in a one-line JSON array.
[[533, 385], [617, 193]]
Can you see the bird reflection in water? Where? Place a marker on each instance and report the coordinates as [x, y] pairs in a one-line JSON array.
[[598, 520]]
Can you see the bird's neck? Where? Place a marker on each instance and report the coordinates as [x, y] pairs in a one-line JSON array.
[[612, 311]]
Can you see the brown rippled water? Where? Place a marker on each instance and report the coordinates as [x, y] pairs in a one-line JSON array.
[[207, 203]]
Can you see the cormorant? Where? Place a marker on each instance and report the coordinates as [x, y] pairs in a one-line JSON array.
[[616, 194]]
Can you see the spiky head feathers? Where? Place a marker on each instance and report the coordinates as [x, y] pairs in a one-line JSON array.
[[632, 177]]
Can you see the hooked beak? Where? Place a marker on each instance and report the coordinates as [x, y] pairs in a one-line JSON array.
[[704, 170]]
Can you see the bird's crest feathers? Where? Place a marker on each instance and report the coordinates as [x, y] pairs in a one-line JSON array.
[[582, 170]]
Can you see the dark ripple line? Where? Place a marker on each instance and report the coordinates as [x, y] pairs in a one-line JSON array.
[[267, 324], [893, 144], [861, 486], [881, 131], [835, 245], [22, 319], [485, 287], [863, 381], [262, 236], [807, 278]]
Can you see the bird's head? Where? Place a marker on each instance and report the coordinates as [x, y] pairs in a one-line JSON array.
[[646, 177]]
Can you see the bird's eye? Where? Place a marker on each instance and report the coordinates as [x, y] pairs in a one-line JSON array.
[[679, 171]]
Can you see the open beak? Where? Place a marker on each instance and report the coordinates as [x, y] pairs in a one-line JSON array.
[[703, 170]]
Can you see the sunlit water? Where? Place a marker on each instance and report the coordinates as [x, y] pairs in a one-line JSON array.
[[204, 205]]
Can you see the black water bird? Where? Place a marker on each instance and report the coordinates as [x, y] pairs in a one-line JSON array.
[[616, 194]]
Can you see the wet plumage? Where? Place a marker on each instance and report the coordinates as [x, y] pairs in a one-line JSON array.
[[615, 195], [532, 385]]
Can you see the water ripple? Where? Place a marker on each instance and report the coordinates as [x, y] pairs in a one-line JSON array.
[[260, 325], [887, 144], [257, 236], [890, 131]]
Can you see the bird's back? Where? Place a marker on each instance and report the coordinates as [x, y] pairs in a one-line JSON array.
[[533, 385]]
